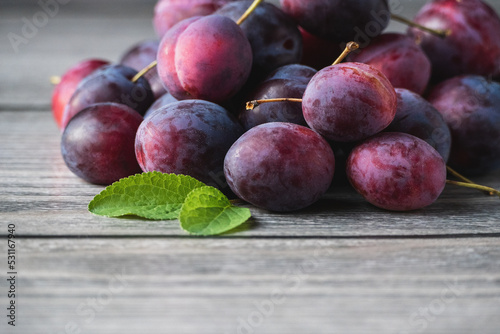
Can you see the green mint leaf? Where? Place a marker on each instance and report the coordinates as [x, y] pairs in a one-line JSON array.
[[207, 211], [151, 195]]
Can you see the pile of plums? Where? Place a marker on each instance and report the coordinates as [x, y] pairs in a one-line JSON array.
[[389, 119]]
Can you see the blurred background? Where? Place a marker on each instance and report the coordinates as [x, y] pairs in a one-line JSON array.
[[81, 29]]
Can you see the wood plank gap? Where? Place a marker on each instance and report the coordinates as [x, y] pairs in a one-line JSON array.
[[264, 237]]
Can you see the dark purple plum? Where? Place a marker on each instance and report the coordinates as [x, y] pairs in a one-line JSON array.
[[349, 102], [418, 117], [69, 82], [397, 171], [286, 81], [280, 166], [275, 38], [141, 55], [295, 72], [473, 47], [207, 58], [318, 52], [340, 21], [169, 12], [160, 103], [188, 137], [401, 60], [110, 84], [470, 106], [98, 143]]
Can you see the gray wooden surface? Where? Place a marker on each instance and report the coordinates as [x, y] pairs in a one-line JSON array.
[[341, 266]]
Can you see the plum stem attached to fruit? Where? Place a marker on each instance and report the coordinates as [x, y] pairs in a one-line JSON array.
[[145, 70], [463, 179], [255, 103], [436, 32], [490, 191], [350, 47], [249, 11], [458, 175]]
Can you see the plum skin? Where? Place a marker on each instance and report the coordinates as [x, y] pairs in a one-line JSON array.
[[280, 166], [273, 35], [207, 58], [473, 47], [349, 102], [159, 103], [97, 144], [169, 12], [397, 171], [317, 52], [400, 59], [141, 55], [418, 117], [69, 82], [339, 21], [111, 83], [470, 105], [189, 137], [290, 81]]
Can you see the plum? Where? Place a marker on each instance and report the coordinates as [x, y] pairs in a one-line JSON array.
[[167, 13], [140, 56], [318, 52], [289, 81], [274, 37], [340, 21], [473, 45], [159, 103], [470, 105], [110, 83], [397, 171], [401, 60], [207, 58], [188, 137], [418, 117], [98, 143], [69, 82], [349, 102], [280, 166]]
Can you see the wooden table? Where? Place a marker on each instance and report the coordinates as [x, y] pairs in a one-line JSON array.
[[341, 266]]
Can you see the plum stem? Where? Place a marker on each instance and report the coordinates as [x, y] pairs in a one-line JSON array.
[[249, 11], [255, 103], [236, 201], [464, 179], [55, 79], [490, 191], [145, 70], [458, 175], [436, 32], [350, 47]]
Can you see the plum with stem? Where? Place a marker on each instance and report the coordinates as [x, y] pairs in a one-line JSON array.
[[470, 105], [473, 43]]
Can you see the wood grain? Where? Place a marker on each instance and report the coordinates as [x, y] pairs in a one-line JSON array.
[[42, 197], [260, 286]]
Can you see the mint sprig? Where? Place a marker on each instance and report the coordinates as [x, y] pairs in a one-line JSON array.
[[207, 211], [202, 210], [151, 195]]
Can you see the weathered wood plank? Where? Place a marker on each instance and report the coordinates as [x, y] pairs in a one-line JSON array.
[[259, 286], [41, 196]]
